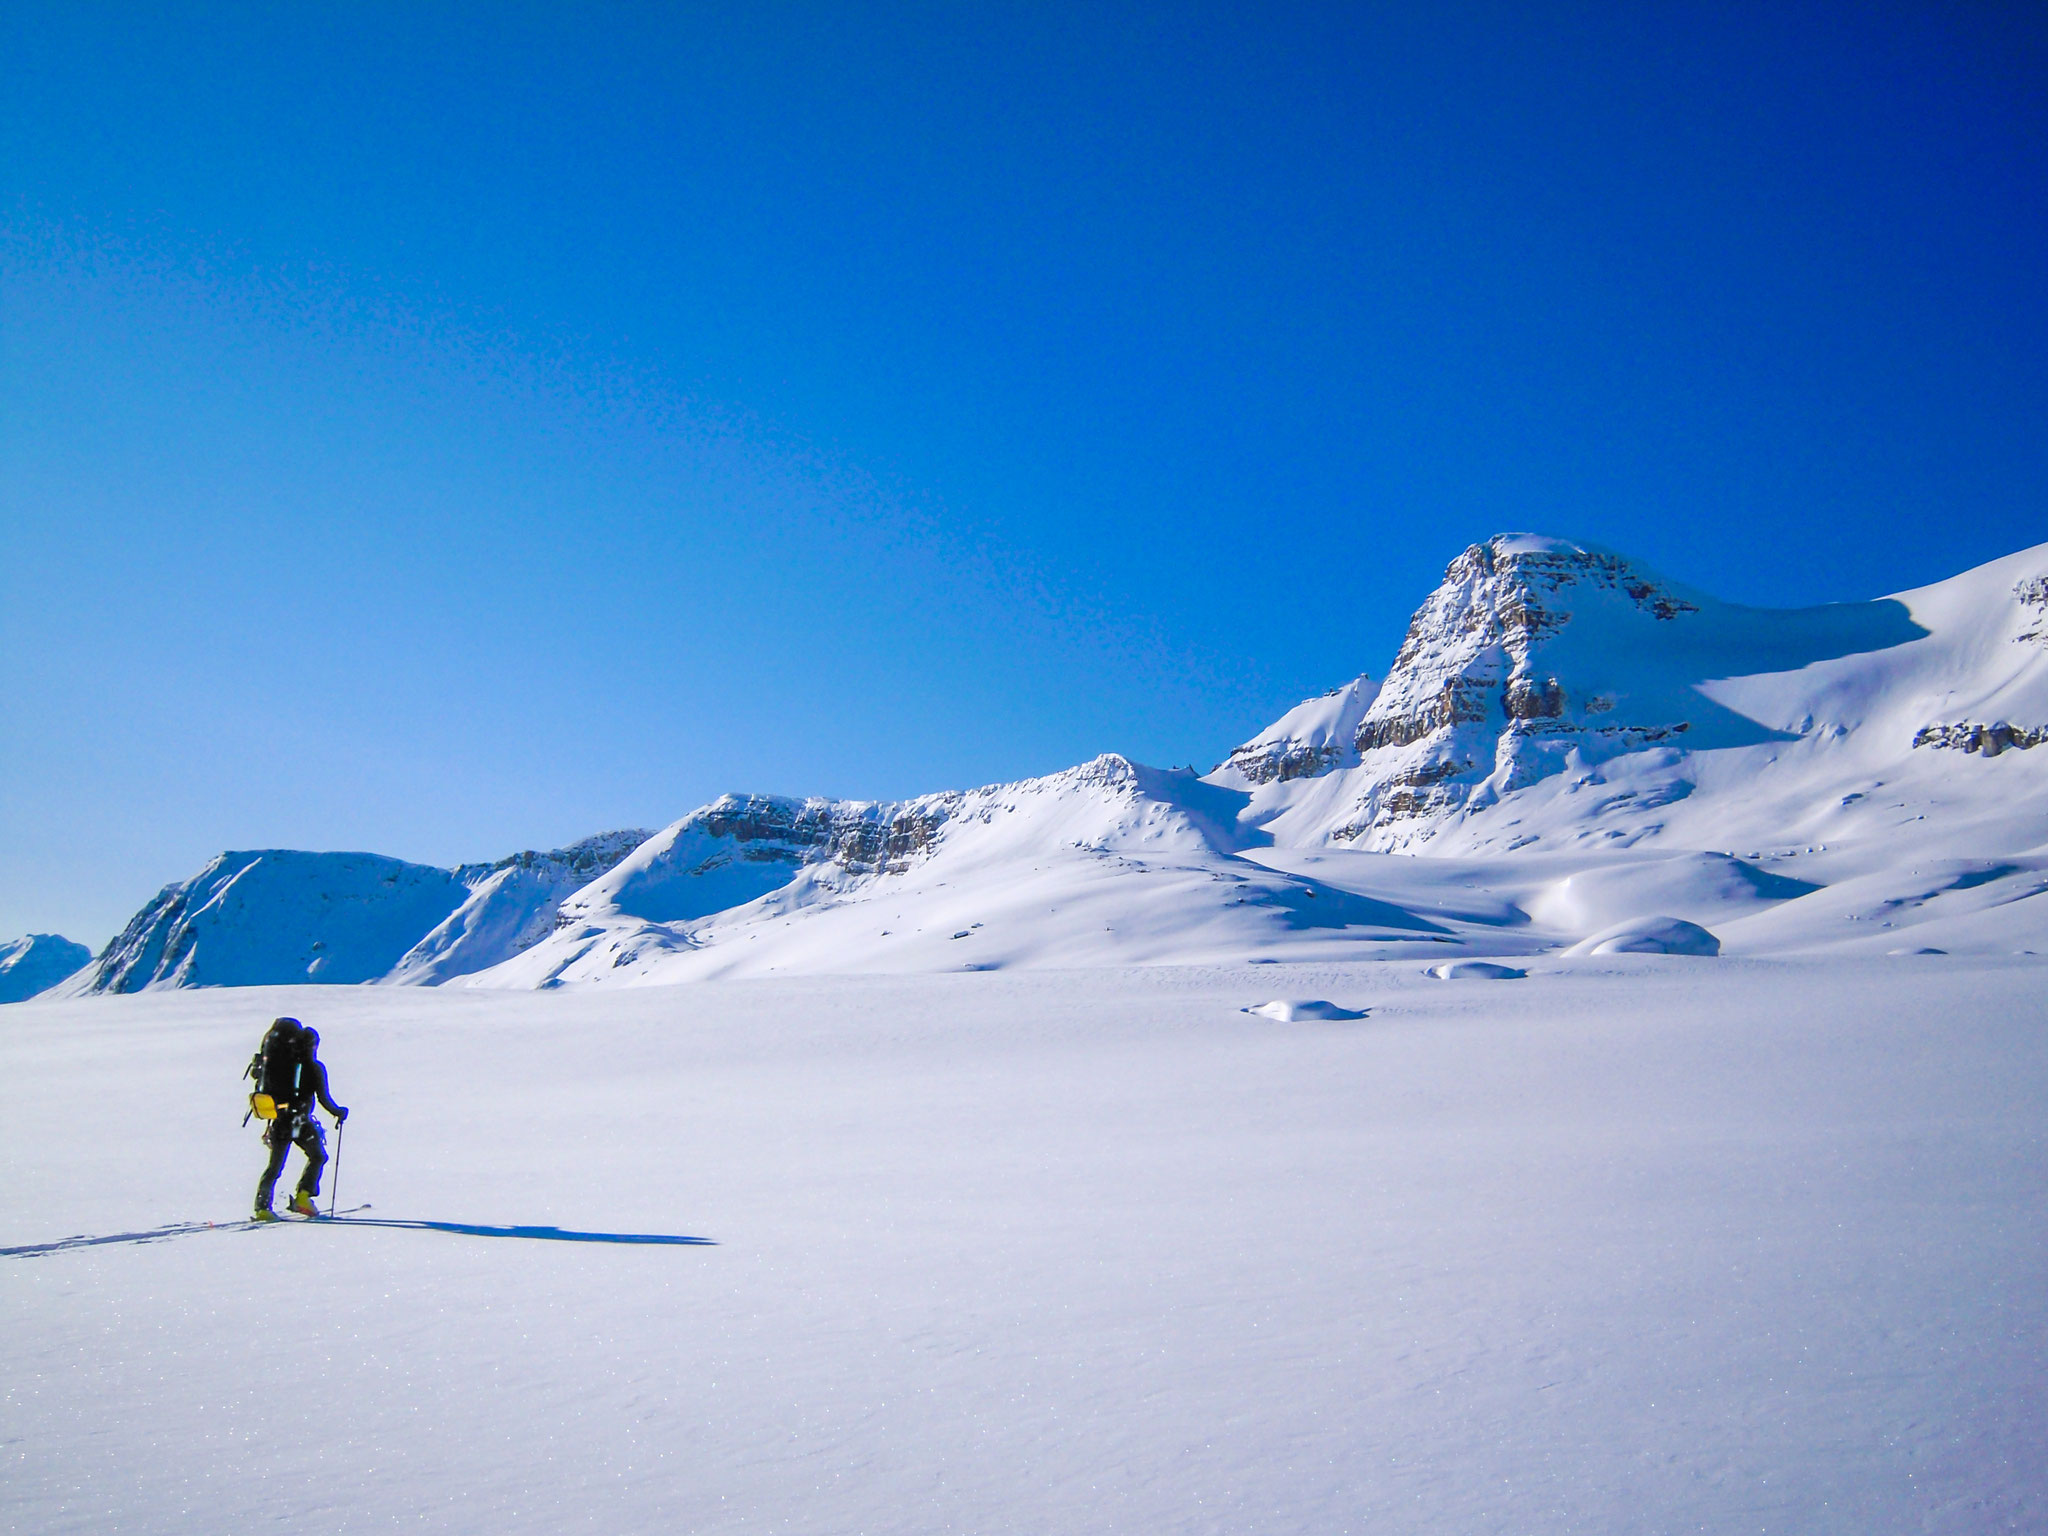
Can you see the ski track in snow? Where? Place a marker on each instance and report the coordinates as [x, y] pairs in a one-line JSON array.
[[1637, 1243]]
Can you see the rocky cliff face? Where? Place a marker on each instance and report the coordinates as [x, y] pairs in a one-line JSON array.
[[1488, 694], [1540, 667], [740, 847], [2032, 595], [866, 837]]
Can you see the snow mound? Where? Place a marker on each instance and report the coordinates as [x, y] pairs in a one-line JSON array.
[[1699, 887], [1650, 936], [37, 963], [1475, 970], [1296, 1010]]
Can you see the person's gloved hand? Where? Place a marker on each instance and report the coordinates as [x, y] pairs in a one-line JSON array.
[[340, 1114]]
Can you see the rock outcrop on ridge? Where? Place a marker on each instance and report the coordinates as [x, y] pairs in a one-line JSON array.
[[1314, 737], [1538, 654], [1541, 668], [510, 906]]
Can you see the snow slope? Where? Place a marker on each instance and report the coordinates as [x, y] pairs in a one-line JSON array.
[[511, 905], [250, 919], [258, 919], [1103, 864], [36, 963], [1632, 1244]]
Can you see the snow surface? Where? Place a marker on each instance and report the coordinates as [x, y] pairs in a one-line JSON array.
[[1637, 1244]]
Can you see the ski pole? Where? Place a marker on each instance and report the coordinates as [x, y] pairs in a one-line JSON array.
[[334, 1189]]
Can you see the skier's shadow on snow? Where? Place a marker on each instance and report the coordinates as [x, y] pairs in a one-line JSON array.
[[539, 1234]]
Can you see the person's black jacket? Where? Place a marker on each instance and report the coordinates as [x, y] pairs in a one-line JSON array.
[[312, 1085]]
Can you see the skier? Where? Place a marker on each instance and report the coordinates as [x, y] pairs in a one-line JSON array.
[[297, 1124]]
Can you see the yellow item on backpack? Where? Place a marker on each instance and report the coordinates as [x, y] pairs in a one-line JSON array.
[[263, 1106]]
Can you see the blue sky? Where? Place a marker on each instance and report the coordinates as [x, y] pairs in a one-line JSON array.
[[444, 430]]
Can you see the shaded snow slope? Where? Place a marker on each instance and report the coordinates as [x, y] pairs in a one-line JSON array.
[[283, 915], [36, 963], [254, 919], [511, 905]]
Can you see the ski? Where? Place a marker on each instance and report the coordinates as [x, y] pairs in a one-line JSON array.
[[346, 1210], [169, 1230]]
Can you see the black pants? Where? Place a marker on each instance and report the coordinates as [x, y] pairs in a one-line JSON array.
[[286, 1131]]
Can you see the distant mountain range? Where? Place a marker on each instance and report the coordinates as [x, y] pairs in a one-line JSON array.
[[1565, 742]]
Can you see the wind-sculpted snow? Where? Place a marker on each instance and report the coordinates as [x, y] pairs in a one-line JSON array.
[[37, 963], [1650, 936]]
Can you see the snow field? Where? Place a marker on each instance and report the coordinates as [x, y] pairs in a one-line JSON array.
[[1639, 1243]]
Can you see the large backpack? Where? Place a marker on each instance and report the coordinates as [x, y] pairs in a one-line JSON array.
[[277, 1069]]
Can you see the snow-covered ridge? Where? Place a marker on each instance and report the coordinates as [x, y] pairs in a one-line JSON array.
[[36, 963], [1107, 862], [1540, 667], [276, 915], [1576, 743], [1312, 738], [511, 905]]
